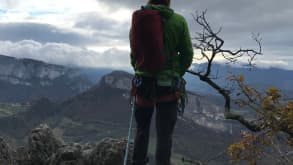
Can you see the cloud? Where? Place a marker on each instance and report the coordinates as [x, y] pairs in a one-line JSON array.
[[104, 24], [276, 64], [9, 3], [63, 6], [238, 19], [103, 27], [42, 33], [64, 54], [123, 4], [82, 29]]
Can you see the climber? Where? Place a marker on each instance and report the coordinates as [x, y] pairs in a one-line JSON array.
[[161, 52]]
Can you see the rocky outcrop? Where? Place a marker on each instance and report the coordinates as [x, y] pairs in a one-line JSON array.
[[117, 79], [44, 148], [5, 152], [109, 148], [107, 152], [42, 144], [71, 154]]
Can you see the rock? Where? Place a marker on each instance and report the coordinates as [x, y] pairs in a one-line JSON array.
[[110, 152], [22, 156], [5, 152], [45, 149], [42, 144], [68, 155]]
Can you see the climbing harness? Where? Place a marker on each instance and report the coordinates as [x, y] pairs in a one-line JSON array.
[[144, 90], [179, 86], [129, 130], [181, 105]]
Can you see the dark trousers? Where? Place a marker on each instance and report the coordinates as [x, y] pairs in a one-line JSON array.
[[166, 116]]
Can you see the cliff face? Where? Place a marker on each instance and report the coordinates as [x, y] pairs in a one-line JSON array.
[[117, 79], [23, 79], [202, 111], [47, 149], [23, 71]]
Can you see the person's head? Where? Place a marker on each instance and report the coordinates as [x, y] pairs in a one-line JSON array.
[[160, 2]]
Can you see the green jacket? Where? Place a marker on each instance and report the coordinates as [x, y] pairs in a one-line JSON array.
[[177, 45]]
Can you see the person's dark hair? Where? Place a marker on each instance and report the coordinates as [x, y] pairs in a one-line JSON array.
[[160, 2]]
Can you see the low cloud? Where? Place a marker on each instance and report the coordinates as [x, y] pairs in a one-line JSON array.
[[64, 54]]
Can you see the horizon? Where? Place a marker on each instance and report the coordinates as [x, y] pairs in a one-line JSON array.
[[95, 33], [130, 70]]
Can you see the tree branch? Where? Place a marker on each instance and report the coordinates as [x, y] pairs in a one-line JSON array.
[[209, 41]]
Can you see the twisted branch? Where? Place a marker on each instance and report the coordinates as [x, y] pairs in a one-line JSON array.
[[209, 41]]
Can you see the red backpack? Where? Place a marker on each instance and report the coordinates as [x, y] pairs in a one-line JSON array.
[[147, 41]]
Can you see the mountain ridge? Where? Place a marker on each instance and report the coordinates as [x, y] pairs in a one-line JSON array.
[[24, 79], [260, 78]]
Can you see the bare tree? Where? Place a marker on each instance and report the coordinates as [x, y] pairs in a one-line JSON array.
[[210, 44], [274, 114]]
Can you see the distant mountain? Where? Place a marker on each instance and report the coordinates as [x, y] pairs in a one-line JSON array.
[[106, 101], [261, 78], [25, 79], [94, 74], [104, 111]]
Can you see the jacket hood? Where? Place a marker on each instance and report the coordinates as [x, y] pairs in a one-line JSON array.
[[165, 11]]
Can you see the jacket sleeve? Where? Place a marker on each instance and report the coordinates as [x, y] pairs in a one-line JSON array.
[[185, 49]]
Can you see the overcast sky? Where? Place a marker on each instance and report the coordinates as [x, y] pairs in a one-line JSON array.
[[94, 33]]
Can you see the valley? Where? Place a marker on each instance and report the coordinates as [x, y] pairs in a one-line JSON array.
[[102, 110]]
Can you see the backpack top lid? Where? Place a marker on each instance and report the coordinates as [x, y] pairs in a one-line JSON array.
[[165, 11]]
